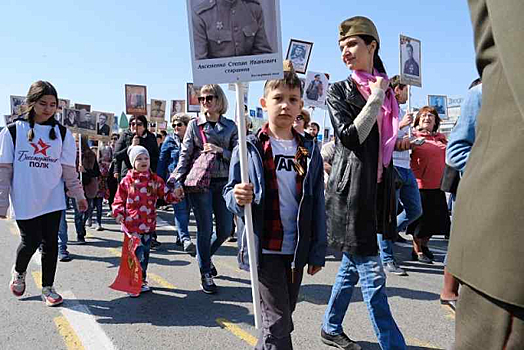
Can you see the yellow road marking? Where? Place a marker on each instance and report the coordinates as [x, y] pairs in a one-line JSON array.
[[71, 340], [37, 276], [159, 280], [237, 331], [417, 342], [115, 252]]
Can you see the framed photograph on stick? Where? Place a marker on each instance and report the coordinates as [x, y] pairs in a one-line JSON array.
[[410, 53], [299, 52], [17, 105], [440, 103], [104, 124], [136, 99], [177, 106], [158, 110], [316, 89], [240, 44], [193, 92]]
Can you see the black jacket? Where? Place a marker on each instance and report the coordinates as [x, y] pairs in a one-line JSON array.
[[357, 207], [122, 163]]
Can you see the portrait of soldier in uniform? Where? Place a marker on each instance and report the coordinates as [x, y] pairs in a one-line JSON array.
[[299, 52], [411, 66], [158, 109], [228, 28], [136, 97], [315, 89]]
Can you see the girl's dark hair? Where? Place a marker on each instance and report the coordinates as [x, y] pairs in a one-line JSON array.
[[38, 90], [377, 61], [141, 118]]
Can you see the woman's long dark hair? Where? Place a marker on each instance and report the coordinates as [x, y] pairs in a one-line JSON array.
[[377, 61], [38, 90]]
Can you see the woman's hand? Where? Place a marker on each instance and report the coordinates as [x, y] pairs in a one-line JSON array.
[[81, 169], [381, 83], [82, 205], [209, 147], [243, 193], [136, 141], [406, 120]]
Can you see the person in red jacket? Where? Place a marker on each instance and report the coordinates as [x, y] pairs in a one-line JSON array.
[[134, 206], [428, 162]]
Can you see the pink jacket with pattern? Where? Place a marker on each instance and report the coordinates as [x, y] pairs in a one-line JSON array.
[[135, 200]]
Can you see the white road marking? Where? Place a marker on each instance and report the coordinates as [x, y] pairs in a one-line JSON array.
[[84, 324]]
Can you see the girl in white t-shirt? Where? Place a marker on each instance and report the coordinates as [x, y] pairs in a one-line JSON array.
[[34, 167]]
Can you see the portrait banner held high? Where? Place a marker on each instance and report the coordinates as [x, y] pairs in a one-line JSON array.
[[104, 125], [235, 41], [299, 52], [177, 106], [316, 89], [440, 103], [410, 53], [136, 99], [192, 93], [158, 110], [17, 105]]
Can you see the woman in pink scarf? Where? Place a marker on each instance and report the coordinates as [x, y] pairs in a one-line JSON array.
[[360, 193]]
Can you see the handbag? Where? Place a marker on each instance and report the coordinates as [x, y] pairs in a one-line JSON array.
[[199, 176]]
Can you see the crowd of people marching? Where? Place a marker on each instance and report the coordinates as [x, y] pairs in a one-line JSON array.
[[384, 173]]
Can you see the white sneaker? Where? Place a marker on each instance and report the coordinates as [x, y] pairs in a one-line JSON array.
[[17, 284], [51, 297], [145, 288], [133, 295]]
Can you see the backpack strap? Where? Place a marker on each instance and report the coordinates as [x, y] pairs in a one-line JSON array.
[[63, 131], [12, 130]]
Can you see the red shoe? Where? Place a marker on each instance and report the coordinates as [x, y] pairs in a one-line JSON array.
[[51, 297], [17, 284]]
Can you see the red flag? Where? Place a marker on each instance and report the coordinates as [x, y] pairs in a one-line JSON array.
[[129, 278]]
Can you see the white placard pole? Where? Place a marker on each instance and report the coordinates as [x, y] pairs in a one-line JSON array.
[[80, 153], [248, 219], [409, 108]]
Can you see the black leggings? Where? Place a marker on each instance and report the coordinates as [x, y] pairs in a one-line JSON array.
[[42, 230]]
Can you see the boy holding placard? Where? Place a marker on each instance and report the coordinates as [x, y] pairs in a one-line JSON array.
[[287, 197]]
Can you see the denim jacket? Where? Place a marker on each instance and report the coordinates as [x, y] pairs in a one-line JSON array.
[[311, 222], [169, 156], [462, 137], [224, 134]]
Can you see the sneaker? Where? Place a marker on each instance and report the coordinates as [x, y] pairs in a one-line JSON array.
[[155, 243], [428, 252], [178, 242], [51, 297], [393, 268], [89, 222], [189, 247], [214, 271], [145, 287], [80, 240], [134, 295], [340, 341], [231, 239], [100, 228], [64, 256], [423, 258], [17, 284], [208, 286]]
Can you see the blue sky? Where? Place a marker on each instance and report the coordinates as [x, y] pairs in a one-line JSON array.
[[90, 49]]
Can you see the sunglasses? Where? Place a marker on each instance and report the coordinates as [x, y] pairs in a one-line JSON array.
[[178, 125], [208, 98], [114, 138], [136, 123], [299, 118]]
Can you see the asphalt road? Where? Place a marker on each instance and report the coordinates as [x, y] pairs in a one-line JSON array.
[[178, 315]]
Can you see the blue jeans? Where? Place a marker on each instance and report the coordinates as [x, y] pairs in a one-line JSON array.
[[142, 253], [181, 214], [97, 204], [409, 196], [62, 233], [204, 206], [373, 285]]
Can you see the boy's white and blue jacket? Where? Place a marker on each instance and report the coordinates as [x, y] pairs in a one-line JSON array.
[[311, 220]]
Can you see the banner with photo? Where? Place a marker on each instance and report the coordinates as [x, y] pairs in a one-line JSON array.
[[299, 52], [17, 105], [136, 99], [79, 121], [158, 110], [104, 125], [177, 106], [440, 103], [239, 45], [410, 54], [315, 91], [192, 93]]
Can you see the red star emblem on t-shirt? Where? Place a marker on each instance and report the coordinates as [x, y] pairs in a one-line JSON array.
[[40, 147]]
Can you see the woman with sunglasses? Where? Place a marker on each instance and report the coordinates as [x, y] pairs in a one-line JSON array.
[[301, 122], [221, 137], [169, 156], [136, 135]]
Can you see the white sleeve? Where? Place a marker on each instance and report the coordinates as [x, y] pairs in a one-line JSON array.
[[7, 147], [68, 150]]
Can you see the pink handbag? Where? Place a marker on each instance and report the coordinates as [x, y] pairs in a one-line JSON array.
[[199, 176]]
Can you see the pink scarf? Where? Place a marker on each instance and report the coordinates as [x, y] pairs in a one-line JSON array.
[[387, 119]]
